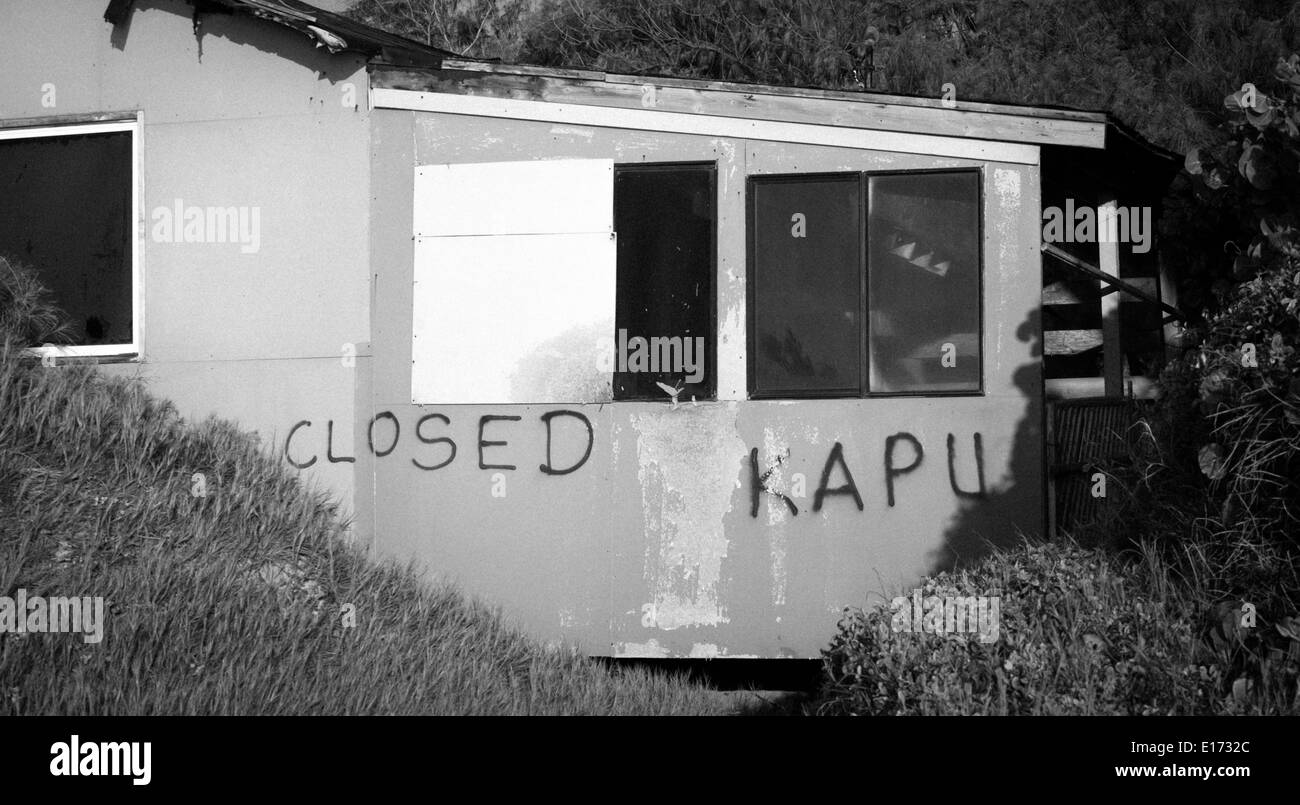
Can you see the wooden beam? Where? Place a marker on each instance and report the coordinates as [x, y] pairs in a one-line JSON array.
[[1112, 362], [1147, 284], [1168, 290], [1070, 342], [1087, 269], [699, 98], [1061, 293], [1069, 388], [851, 96], [706, 125]]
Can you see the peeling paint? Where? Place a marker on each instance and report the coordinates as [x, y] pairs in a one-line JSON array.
[[732, 174], [648, 649], [1006, 183], [573, 131], [776, 447], [688, 462], [731, 367]]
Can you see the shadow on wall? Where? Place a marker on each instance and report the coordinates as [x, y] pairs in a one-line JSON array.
[[1015, 503]]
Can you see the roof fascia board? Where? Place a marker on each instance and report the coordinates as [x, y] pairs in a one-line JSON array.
[[851, 96], [705, 125], [697, 99]]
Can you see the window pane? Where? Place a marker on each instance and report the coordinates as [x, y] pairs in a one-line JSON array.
[[664, 217], [806, 294], [923, 269], [65, 210]]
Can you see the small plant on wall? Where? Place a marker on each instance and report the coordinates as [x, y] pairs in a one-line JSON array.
[[28, 313]]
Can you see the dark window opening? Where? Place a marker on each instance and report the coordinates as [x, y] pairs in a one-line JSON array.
[[865, 284], [664, 216], [65, 211], [806, 285]]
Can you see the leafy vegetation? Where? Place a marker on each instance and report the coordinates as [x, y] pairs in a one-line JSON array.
[[1081, 633], [1159, 66]]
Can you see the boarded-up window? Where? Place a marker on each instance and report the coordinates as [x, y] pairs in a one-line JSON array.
[[66, 210], [514, 282], [864, 284]]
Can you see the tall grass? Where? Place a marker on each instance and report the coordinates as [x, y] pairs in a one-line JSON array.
[[247, 599]]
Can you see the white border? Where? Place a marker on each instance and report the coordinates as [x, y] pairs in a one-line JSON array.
[[707, 125], [137, 245]]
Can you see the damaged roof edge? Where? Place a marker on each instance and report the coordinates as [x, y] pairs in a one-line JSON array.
[[334, 32], [850, 96], [338, 33]]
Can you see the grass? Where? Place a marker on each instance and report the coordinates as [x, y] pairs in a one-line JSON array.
[[232, 602]]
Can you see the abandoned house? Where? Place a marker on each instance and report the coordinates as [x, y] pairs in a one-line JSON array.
[[661, 367]]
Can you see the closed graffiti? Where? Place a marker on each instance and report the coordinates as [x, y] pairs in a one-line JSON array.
[[902, 455], [436, 451]]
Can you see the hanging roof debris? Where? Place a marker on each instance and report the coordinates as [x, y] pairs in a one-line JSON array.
[[329, 30]]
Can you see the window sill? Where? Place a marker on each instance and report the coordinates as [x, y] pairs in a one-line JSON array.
[[879, 395], [69, 357]]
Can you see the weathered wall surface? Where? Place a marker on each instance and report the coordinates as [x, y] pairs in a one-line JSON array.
[[661, 542], [245, 115]]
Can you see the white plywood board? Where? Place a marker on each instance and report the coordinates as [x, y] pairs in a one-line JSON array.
[[514, 198], [512, 318]]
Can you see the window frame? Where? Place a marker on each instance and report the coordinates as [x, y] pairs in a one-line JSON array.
[[711, 341], [864, 327], [75, 126]]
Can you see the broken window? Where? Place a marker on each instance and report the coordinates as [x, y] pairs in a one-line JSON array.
[[865, 284], [664, 219], [66, 211]]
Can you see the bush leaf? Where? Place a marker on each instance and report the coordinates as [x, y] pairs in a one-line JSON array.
[[1210, 459]]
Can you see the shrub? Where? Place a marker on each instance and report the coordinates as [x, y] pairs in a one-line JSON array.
[[1236, 389], [1080, 634]]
